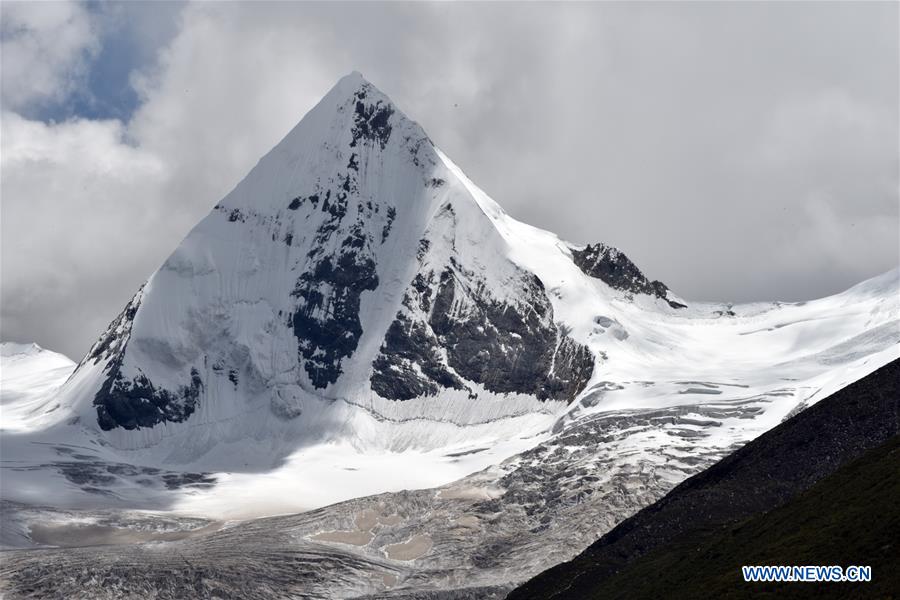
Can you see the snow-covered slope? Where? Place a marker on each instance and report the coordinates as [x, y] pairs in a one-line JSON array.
[[29, 376], [358, 312]]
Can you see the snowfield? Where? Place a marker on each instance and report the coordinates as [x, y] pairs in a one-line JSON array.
[[29, 377]]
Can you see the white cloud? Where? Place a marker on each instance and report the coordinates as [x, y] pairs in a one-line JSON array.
[[80, 211], [91, 208], [724, 164], [215, 104], [45, 48]]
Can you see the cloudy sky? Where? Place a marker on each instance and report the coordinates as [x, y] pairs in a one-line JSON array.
[[735, 151]]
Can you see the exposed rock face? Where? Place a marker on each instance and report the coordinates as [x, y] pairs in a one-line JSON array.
[[464, 334], [134, 401], [617, 271], [410, 363], [507, 347], [371, 121], [458, 325], [326, 321], [112, 341]]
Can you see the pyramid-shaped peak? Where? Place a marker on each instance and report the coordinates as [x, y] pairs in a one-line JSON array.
[[349, 143]]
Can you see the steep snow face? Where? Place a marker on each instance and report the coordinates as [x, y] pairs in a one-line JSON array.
[[353, 263], [29, 376]]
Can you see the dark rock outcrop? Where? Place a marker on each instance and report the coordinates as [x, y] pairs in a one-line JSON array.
[[135, 402], [508, 347], [326, 321], [112, 341], [616, 270], [371, 121], [410, 365]]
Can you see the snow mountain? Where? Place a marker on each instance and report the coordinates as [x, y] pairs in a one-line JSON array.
[[355, 262], [358, 312]]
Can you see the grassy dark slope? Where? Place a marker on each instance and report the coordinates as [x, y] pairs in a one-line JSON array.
[[852, 517], [765, 474]]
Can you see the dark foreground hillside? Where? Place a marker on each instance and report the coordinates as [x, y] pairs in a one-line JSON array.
[[821, 488], [849, 518]]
